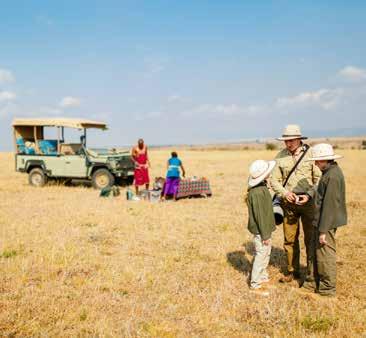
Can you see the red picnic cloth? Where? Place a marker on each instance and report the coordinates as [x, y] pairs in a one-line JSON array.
[[189, 187]]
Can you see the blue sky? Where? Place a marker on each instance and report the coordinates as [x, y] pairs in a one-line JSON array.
[[187, 71]]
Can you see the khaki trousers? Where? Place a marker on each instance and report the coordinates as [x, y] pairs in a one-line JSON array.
[[323, 276], [260, 263], [291, 229]]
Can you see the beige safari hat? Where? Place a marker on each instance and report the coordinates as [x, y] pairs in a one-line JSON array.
[[291, 132], [323, 152], [259, 170]]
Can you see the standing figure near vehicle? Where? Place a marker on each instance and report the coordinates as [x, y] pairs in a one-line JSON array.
[[296, 196], [261, 221], [330, 213], [142, 164]]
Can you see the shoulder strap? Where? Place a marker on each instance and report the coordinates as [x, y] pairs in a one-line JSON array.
[[296, 164]]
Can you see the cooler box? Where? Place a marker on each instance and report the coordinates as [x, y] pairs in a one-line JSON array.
[[21, 146], [48, 147]]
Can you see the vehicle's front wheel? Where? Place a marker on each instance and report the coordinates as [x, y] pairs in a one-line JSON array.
[[102, 178], [37, 177]]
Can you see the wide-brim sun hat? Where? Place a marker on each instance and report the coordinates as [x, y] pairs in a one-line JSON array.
[[259, 170], [291, 132], [323, 152]]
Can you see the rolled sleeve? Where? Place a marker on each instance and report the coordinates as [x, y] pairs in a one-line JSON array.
[[276, 181]]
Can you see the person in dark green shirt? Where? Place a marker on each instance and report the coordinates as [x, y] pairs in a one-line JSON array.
[[261, 221], [330, 213]]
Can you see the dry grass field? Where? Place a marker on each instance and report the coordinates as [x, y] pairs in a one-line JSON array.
[[74, 265]]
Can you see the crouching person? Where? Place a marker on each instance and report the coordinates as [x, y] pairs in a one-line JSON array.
[[261, 221], [330, 213]]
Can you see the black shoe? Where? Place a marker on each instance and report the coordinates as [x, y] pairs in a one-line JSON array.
[[297, 275]]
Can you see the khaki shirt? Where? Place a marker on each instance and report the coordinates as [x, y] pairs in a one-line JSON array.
[[302, 181]]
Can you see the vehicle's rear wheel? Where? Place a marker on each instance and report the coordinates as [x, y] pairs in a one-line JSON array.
[[102, 178], [37, 177]]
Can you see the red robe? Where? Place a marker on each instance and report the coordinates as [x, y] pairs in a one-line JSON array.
[[141, 168]]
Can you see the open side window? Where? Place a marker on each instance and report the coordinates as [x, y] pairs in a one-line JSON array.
[[30, 140], [25, 140]]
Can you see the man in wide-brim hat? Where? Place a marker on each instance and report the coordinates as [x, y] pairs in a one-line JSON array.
[[330, 213], [296, 197]]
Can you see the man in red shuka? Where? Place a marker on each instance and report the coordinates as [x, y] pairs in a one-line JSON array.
[[142, 164]]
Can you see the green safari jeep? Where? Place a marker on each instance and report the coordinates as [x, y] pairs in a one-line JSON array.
[[43, 158]]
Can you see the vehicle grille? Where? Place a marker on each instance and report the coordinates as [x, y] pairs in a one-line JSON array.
[[125, 163]]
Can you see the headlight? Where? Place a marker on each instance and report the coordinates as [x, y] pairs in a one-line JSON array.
[[113, 164]]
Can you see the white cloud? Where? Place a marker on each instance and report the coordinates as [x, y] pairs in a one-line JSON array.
[[213, 109], [324, 98], [153, 66], [70, 102], [154, 114], [149, 115], [224, 110], [6, 76], [353, 73], [156, 69], [174, 98], [7, 96]]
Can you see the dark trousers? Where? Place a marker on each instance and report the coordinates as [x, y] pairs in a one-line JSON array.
[[323, 269]]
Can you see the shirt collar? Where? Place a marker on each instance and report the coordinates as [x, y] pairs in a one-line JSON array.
[[261, 184], [330, 166], [297, 151]]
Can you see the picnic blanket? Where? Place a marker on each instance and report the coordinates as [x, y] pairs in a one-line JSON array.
[[188, 187]]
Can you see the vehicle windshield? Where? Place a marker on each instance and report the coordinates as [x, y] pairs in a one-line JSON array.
[[107, 151], [100, 151]]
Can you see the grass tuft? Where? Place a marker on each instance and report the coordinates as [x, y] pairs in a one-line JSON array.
[[89, 225], [318, 324], [9, 253], [83, 315]]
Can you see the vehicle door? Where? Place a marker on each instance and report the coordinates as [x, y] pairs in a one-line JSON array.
[[53, 164], [75, 166]]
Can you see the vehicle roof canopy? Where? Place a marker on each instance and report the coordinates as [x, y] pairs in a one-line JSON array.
[[58, 122]]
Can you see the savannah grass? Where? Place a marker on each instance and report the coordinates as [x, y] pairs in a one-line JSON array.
[[73, 264]]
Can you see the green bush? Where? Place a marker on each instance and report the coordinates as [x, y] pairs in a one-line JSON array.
[[271, 146], [363, 144]]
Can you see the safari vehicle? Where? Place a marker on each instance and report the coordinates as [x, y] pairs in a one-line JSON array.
[[44, 158]]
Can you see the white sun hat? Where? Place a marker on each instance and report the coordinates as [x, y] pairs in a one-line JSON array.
[[291, 132], [323, 151], [259, 170]]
